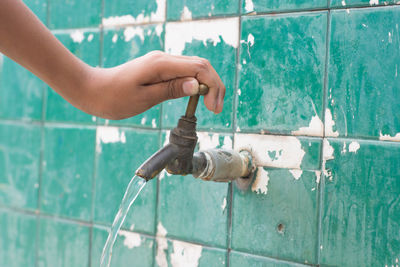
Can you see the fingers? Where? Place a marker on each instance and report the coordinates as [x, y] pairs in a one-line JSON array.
[[172, 89], [167, 71]]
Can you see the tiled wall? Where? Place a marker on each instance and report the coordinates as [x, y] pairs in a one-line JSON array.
[[312, 87]]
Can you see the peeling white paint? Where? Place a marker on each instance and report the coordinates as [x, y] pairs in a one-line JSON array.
[[186, 14], [272, 150], [90, 37], [207, 140], [178, 34], [227, 143], [249, 6], [374, 2], [250, 39], [327, 154], [94, 118], [315, 128], [387, 137], [105, 135], [77, 36], [162, 246], [329, 123], [159, 29], [296, 173], [185, 254], [131, 32], [153, 123], [354, 146], [157, 16], [344, 150], [260, 184], [343, 3], [223, 206], [317, 176], [143, 120], [115, 38], [131, 240]]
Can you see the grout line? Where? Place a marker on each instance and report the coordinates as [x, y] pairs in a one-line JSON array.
[[324, 107]]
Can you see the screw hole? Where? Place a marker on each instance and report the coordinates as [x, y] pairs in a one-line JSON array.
[[281, 228]]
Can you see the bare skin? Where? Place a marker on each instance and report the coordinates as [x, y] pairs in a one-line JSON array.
[[113, 93]]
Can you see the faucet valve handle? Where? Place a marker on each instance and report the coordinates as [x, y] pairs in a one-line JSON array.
[[194, 100]]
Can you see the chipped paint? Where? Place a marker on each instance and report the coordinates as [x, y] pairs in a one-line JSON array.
[[387, 137], [185, 254], [131, 240], [77, 36], [157, 16], [115, 38], [153, 123], [260, 184], [317, 176], [162, 246], [329, 123], [327, 153], [374, 2], [315, 128], [143, 121], [223, 206], [343, 3], [216, 31], [186, 14], [90, 37], [207, 140], [296, 173], [159, 29], [344, 150], [249, 6], [131, 32], [250, 39], [354, 147], [106, 135], [272, 150]]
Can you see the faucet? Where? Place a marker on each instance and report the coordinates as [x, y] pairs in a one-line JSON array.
[[178, 157]]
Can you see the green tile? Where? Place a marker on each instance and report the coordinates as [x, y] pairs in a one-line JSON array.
[[277, 216], [124, 44], [132, 248], [63, 244], [187, 9], [86, 46], [282, 73], [17, 240], [74, 13], [249, 6], [68, 172], [361, 204], [133, 11], [237, 259], [210, 40], [120, 153], [172, 253], [20, 92], [202, 206], [359, 46], [39, 7], [19, 165], [351, 3]]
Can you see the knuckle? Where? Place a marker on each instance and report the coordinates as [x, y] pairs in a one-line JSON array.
[[172, 90], [203, 64], [157, 54]]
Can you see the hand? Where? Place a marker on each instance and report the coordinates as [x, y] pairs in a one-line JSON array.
[[129, 89]]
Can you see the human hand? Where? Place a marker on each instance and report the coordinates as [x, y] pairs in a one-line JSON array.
[[131, 88]]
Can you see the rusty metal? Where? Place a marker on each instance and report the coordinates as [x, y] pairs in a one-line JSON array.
[[194, 100]]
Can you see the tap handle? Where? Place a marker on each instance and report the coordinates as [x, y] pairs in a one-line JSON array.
[[194, 100]]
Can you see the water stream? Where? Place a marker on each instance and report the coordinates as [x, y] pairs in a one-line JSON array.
[[135, 186]]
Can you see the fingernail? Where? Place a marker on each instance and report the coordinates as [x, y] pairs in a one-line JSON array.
[[190, 87]]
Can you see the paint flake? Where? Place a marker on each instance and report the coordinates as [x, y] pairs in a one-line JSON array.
[[77, 36], [374, 2], [106, 135], [354, 146], [387, 137], [207, 140], [131, 240], [218, 30], [185, 254], [272, 150], [249, 6], [131, 32], [186, 14], [315, 128], [260, 184], [329, 123], [162, 246], [296, 173], [223, 206]]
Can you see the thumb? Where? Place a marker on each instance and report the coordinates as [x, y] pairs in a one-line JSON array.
[[181, 87]]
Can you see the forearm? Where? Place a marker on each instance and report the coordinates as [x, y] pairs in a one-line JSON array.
[[27, 41]]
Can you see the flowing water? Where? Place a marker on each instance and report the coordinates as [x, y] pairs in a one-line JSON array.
[[135, 186]]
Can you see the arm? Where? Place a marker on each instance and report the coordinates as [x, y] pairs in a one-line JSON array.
[[113, 93]]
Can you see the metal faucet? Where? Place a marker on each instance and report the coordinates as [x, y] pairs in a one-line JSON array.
[[178, 157]]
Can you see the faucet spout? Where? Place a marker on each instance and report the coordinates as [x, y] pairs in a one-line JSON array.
[[157, 162]]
